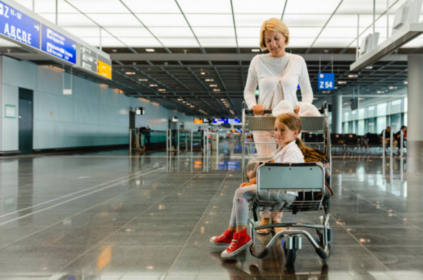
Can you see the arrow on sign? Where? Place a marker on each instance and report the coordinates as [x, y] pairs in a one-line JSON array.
[[74, 46], [37, 27]]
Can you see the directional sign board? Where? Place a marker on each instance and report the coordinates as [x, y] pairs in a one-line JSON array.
[[58, 45], [88, 59], [18, 26], [25, 30], [326, 81], [104, 67]]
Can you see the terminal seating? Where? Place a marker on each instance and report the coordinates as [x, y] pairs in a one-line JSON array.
[[373, 143]]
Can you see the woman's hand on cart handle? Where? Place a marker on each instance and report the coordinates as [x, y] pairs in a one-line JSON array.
[[258, 110]]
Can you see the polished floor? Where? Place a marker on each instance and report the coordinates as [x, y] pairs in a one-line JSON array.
[[111, 216]]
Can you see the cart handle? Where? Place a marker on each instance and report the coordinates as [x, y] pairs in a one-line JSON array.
[[251, 111]]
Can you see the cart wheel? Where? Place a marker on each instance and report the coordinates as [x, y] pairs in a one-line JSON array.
[[290, 255]]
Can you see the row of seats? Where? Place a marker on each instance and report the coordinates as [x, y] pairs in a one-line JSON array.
[[370, 143]]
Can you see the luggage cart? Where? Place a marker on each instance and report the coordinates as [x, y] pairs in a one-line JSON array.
[[319, 126], [272, 177]]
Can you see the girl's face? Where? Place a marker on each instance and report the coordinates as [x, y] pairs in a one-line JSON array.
[[283, 135], [275, 43]]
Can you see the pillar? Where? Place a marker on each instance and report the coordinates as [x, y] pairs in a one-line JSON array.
[[336, 114], [415, 114]]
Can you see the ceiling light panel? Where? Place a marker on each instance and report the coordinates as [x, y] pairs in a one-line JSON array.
[[110, 42], [172, 32], [311, 7], [214, 20], [362, 7], [265, 6], [248, 42], [300, 42], [205, 6], [332, 42], [129, 32], [350, 21], [26, 3], [86, 31], [75, 20], [50, 17], [179, 42], [93, 6], [255, 20], [152, 7], [217, 42], [248, 32], [160, 20], [343, 32], [45, 6], [140, 42], [304, 32], [305, 20], [214, 32], [115, 20], [65, 7]]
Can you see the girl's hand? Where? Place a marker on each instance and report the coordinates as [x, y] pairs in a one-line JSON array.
[[258, 110]]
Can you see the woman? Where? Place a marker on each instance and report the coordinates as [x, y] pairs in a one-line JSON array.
[[278, 75]]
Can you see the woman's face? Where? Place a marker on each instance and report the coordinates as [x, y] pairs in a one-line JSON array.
[[283, 135], [275, 43]]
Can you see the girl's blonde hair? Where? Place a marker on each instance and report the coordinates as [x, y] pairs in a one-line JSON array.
[[273, 24], [293, 122]]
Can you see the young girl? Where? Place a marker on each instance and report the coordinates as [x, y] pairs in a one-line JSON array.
[[287, 128]]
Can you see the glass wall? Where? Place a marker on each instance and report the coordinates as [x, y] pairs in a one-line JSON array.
[[375, 118]]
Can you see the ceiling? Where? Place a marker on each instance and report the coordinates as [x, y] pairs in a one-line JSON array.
[[203, 29]]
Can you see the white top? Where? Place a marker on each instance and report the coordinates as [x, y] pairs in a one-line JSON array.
[[291, 153], [265, 71]]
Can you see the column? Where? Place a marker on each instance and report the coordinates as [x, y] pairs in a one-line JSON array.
[[415, 114], [336, 114]]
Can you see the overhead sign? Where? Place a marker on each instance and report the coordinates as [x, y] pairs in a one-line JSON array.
[[228, 121], [58, 45], [326, 81], [26, 31], [104, 68], [88, 59], [19, 27], [198, 121]]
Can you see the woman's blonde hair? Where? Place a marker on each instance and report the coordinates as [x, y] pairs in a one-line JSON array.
[[293, 122], [273, 24]]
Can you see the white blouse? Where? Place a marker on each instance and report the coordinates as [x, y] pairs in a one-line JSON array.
[[265, 71], [291, 153]]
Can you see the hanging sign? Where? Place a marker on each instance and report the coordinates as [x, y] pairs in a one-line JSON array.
[[18, 26], [326, 81], [58, 45]]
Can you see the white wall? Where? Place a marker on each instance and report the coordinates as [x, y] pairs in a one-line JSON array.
[[91, 116]]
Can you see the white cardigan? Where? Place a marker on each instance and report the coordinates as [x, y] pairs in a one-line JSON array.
[[272, 87]]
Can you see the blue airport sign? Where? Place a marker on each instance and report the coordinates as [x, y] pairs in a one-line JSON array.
[[326, 81], [229, 121], [58, 45], [18, 26]]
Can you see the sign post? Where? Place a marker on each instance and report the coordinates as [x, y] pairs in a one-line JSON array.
[[326, 81]]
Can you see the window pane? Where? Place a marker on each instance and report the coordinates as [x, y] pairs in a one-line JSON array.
[[381, 124], [360, 129]]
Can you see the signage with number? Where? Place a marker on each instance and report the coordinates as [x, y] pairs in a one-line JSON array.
[[326, 81], [58, 45], [18, 26]]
